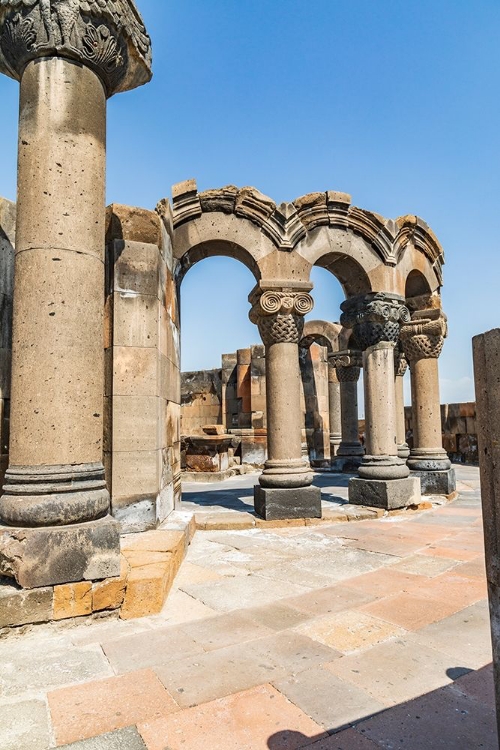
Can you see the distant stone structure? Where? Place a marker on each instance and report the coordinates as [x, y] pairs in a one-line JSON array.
[[94, 443]]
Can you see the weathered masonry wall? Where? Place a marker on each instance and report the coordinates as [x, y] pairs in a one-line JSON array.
[[235, 396], [459, 429], [142, 437], [7, 241]]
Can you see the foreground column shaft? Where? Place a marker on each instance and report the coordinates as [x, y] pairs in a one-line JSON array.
[[400, 368], [423, 341], [486, 369], [284, 489], [383, 476], [54, 509]]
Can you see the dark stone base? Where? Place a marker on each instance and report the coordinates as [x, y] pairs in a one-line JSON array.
[[60, 554], [437, 482], [388, 494], [274, 504], [346, 464]]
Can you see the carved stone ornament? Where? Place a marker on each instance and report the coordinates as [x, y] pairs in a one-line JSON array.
[[106, 35], [400, 362], [423, 337], [348, 365], [375, 317], [280, 316]]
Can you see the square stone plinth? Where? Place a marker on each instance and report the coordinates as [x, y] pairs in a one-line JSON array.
[[437, 482], [61, 554], [388, 494], [273, 504]]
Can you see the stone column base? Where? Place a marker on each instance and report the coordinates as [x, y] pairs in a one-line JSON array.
[[273, 504], [346, 464], [51, 555], [389, 494], [437, 482]]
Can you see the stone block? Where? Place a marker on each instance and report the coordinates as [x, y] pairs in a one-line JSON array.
[[388, 494], [122, 739], [437, 482], [133, 224], [109, 594], [274, 504], [136, 474], [136, 513], [135, 423], [72, 600], [136, 268], [22, 606], [135, 371], [135, 320], [147, 589], [39, 557]]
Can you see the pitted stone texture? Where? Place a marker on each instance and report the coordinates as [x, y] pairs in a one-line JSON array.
[[274, 504], [437, 482], [21, 606], [55, 555], [375, 317], [280, 315], [423, 337], [388, 494], [122, 739], [109, 38]]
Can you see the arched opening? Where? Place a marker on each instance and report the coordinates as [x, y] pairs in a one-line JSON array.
[[219, 249], [417, 291], [349, 273]]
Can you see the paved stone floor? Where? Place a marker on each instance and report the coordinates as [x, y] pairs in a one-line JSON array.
[[350, 636]]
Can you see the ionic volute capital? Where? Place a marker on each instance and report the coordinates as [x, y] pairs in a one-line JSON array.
[[423, 337], [280, 315], [348, 365], [107, 36], [375, 318]]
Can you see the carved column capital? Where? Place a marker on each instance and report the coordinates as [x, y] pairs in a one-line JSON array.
[[347, 364], [423, 337], [280, 315], [106, 35], [375, 318]]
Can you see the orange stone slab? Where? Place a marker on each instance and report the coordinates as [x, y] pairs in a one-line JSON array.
[[243, 721], [94, 708], [410, 611], [72, 600]]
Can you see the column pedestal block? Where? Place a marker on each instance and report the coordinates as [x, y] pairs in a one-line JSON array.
[[389, 494], [51, 555], [346, 464], [437, 482], [274, 504]]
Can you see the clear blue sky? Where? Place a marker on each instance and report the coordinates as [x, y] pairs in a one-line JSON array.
[[396, 103]]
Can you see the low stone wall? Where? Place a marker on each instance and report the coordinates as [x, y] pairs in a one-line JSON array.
[[201, 400], [459, 431]]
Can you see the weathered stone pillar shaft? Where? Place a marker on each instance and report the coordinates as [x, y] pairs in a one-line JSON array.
[[348, 367], [400, 368], [335, 410], [380, 400], [280, 318]]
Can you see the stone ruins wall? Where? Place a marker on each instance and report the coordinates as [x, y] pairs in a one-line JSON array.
[[459, 431], [7, 241], [201, 400], [143, 396]]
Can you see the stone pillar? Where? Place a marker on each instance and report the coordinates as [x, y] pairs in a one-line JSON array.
[[54, 510], [422, 340], [334, 408], [486, 368], [350, 452], [400, 368], [284, 489], [383, 477]]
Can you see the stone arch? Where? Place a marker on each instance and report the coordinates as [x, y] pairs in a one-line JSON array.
[[323, 333], [349, 272], [216, 248]]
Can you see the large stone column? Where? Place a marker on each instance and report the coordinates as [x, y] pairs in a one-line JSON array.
[[334, 409], [423, 339], [350, 452], [383, 477], [400, 369], [284, 489], [54, 510]]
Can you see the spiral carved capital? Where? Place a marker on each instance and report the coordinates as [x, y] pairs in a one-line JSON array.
[[375, 318], [280, 316], [423, 337]]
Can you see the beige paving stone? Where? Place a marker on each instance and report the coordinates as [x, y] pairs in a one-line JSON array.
[[398, 671], [225, 630], [348, 631], [277, 616], [424, 565], [191, 573], [140, 651], [382, 582], [83, 711], [409, 610], [256, 719], [332, 702], [231, 593], [181, 608], [24, 725], [329, 600]]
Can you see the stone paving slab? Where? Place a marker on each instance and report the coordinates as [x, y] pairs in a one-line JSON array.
[[123, 739], [24, 725]]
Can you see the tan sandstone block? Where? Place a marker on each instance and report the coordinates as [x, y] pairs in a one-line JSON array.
[[72, 600], [147, 589], [110, 593]]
